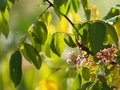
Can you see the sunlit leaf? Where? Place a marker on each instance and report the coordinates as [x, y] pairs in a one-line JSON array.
[[69, 41], [35, 44], [59, 6], [86, 73], [85, 4], [97, 36], [39, 32], [47, 17], [111, 30], [114, 11], [77, 82], [3, 4], [47, 46], [57, 43], [4, 27], [117, 27], [16, 67], [75, 4], [31, 54]]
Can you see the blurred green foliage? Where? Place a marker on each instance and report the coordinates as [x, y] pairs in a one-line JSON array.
[[22, 14]]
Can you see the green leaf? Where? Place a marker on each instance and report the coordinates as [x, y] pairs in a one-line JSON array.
[[114, 11], [86, 73], [12, 1], [39, 32], [86, 85], [75, 4], [57, 43], [85, 4], [47, 46], [3, 4], [31, 54], [16, 67], [113, 20], [111, 30], [77, 82], [60, 6], [84, 37], [69, 41], [4, 27], [97, 36], [118, 57], [105, 86], [35, 44]]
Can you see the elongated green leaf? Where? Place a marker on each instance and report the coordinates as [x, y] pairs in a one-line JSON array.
[[85, 4], [97, 36], [15, 67], [31, 54], [77, 82], [86, 73], [111, 30], [69, 41], [39, 32], [4, 27], [57, 43], [3, 4], [75, 4]]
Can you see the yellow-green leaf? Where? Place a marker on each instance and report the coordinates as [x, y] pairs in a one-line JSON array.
[[31, 54]]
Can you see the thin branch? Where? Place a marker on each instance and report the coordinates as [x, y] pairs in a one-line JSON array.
[[42, 14], [64, 16]]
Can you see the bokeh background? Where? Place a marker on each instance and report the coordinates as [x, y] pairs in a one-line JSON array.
[[22, 14]]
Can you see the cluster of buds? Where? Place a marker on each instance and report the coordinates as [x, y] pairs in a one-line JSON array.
[[107, 56], [78, 60]]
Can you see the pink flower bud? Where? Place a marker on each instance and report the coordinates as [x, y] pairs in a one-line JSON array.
[[70, 53], [69, 61]]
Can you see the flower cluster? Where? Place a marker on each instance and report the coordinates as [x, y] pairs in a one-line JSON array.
[[107, 56], [78, 60]]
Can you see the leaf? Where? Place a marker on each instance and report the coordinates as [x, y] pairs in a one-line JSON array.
[[85, 4], [75, 4], [118, 57], [35, 44], [84, 37], [114, 11], [59, 6], [69, 41], [86, 85], [39, 32], [12, 1], [117, 26], [77, 82], [105, 86], [86, 73], [31, 54], [111, 30], [15, 67], [3, 4], [4, 27], [97, 36], [57, 43]]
